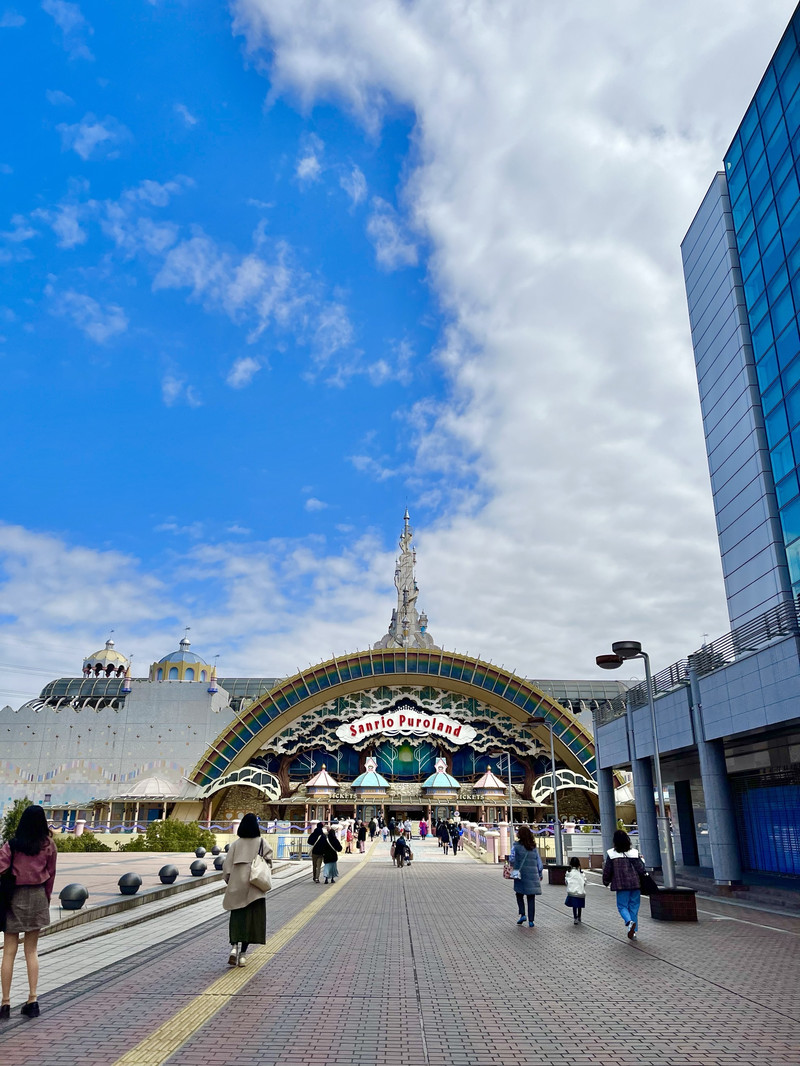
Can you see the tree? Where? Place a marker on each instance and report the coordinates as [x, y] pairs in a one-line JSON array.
[[11, 820]]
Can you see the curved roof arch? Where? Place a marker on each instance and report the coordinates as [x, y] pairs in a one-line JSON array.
[[502, 690]]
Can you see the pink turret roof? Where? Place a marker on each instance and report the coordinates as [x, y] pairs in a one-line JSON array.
[[490, 781]]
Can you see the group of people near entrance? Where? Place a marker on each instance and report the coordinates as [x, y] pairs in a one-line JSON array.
[[622, 870]]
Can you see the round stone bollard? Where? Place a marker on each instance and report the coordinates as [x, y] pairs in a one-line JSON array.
[[200, 852], [129, 884], [197, 869], [219, 862], [73, 896], [215, 850], [227, 846], [168, 874]]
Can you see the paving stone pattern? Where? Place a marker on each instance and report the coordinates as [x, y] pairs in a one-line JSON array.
[[426, 967]]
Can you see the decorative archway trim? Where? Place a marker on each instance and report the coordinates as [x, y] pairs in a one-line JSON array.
[[507, 693]]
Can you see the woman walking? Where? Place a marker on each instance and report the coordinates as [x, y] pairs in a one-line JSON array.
[[401, 850], [576, 889], [527, 878], [443, 833], [362, 837], [247, 904], [330, 856], [423, 829], [621, 871], [316, 841], [31, 855]]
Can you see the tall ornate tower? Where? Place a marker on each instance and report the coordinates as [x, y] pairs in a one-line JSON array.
[[408, 628]]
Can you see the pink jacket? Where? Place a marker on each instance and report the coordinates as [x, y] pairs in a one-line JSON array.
[[32, 869]]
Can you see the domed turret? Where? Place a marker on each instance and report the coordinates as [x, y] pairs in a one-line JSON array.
[[181, 665], [107, 662]]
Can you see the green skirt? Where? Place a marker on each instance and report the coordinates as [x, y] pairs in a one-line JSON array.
[[248, 925]]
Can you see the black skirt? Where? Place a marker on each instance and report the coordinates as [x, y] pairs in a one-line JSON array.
[[248, 925]]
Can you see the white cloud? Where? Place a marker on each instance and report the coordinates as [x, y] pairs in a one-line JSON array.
[[309, 167], [354, 184], [11, 20], [183, 111], [239, 531], [64, 220], [242, 372], [193, 529], [557, 163], [99, 322], [393, 249], [58, 98], [22, 231], [175, 390], [94, 138], [74, 27], [313, 504]]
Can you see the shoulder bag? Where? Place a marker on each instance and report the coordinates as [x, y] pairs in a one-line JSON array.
[[7, 885], [647, 885], [510, 873], [260, 872]]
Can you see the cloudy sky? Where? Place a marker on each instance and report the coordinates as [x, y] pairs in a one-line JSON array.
[[273, 271]]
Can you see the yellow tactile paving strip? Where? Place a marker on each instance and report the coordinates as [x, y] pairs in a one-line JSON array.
[[156, 1048]]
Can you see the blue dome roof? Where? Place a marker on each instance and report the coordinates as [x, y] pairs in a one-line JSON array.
[[370, 779], [441, 780], [183, 655]]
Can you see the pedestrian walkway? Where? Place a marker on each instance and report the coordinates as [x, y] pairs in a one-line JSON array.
[[426, 967]]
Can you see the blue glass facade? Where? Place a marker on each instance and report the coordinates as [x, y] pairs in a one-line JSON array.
[[762, 169]]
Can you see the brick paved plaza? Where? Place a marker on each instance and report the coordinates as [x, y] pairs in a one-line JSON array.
[[419, 966]]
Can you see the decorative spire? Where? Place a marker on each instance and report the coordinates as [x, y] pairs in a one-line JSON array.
[[212, 685], [126, 687], [407, 628]]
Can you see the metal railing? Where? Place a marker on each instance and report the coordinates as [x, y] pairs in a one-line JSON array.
[[775, 624]]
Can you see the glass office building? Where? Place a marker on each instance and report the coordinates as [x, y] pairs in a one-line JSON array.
[[742, 267]]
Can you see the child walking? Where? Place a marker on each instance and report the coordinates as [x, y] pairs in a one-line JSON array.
[[576, 889]]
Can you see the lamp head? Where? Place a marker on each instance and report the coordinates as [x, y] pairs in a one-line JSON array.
[[609, 662], [537, 720], [627, 649]]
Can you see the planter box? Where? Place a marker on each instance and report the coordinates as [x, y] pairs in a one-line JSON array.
[[557, 875], [674, 905]]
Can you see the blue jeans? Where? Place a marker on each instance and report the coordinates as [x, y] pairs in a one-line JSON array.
[[628, 901]]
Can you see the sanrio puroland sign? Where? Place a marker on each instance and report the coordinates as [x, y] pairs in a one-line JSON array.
[[407, 722]]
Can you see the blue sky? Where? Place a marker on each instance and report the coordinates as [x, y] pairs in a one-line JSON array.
[[274, 270]]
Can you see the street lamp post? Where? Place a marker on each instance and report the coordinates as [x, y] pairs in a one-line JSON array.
[[556, 822], [622, 650], [510, 797]]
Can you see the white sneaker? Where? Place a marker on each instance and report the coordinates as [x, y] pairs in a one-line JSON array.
[[242, 961], [233, 958]]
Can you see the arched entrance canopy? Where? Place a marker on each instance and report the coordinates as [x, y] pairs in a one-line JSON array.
[[507, 693]]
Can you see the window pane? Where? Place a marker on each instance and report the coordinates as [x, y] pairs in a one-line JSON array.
[[767, 227], [777, 425], [793, 407], [767, 370], [787, 196], [762, 337], [790, 520], [782, 311], [778, 143], [787, 489], [787, 345], [782, 459]]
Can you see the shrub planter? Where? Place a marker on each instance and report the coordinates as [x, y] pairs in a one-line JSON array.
[[556, 875], [197, 869], [674, 905], [129, 884], [73, 897], [168, 874]]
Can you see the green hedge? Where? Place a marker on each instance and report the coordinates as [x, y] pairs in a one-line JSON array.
[[171, 836], [85, 842]]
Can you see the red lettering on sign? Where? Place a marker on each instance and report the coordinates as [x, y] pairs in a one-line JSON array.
[[352, 730]]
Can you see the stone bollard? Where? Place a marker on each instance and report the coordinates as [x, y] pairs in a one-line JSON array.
[[73, 897], [129, 884], [168, 874], [200, 852], [216, 849], [219, 862], [198, 868]]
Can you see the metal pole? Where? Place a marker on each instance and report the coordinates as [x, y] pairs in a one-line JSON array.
[[510, 798], [556, 821], [667, 854]]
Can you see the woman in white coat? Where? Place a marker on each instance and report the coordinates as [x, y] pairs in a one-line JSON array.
[[246, 903]]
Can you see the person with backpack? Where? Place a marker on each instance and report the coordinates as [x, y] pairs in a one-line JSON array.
[[30, 856], [316, 842], [526, 874], [621, 871]]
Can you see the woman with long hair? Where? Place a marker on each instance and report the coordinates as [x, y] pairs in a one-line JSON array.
[[526, 867], [31, 856], [621, 871], [246, 902]]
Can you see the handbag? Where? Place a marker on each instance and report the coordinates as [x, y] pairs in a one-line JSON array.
[[260, 872], [510, 873], [7, 885], [647, 885]]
